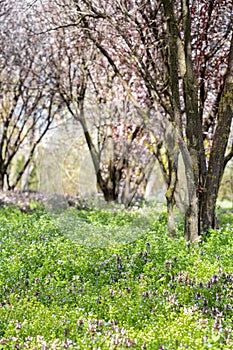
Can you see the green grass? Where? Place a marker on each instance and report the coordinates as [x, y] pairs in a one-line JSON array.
[[105, 279]]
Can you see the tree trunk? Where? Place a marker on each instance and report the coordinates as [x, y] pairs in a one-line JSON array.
[[170, 193], [25, 180], [109, 186], [1, 181], [170, 217], [191, 221], [109, 193], [191, 228], [217, 161]]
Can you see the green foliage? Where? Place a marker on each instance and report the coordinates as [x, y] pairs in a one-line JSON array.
[[60, 291]]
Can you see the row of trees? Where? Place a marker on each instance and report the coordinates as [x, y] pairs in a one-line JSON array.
[[29, 101], [146, 80], [63, 79]]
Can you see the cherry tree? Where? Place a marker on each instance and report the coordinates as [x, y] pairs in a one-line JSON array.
[[28, 101], [181, 53], [114, 132]]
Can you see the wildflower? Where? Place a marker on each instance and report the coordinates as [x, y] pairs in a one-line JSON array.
[[92, 328], [130, 342], [205, 338], [99, 323], [217, 325], [198, 296], [172, 298], [203, 322], [215, 310], [75, 277], [214, 279], [28, 339], [115, 340], [190, 310], [142, 277], [39, 338], [205, 311], [168, 264], [80, 322], [67, 344], [18, 325]]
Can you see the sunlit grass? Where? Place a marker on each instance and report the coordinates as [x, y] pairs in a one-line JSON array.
[[112, 279]]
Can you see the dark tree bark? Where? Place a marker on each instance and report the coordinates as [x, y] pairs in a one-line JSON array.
[[1, 180], [217, 160]]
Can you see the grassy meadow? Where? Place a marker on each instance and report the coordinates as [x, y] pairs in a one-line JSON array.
[[112, 279]]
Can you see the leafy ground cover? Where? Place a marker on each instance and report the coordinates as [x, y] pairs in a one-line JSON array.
[[101, 279]]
